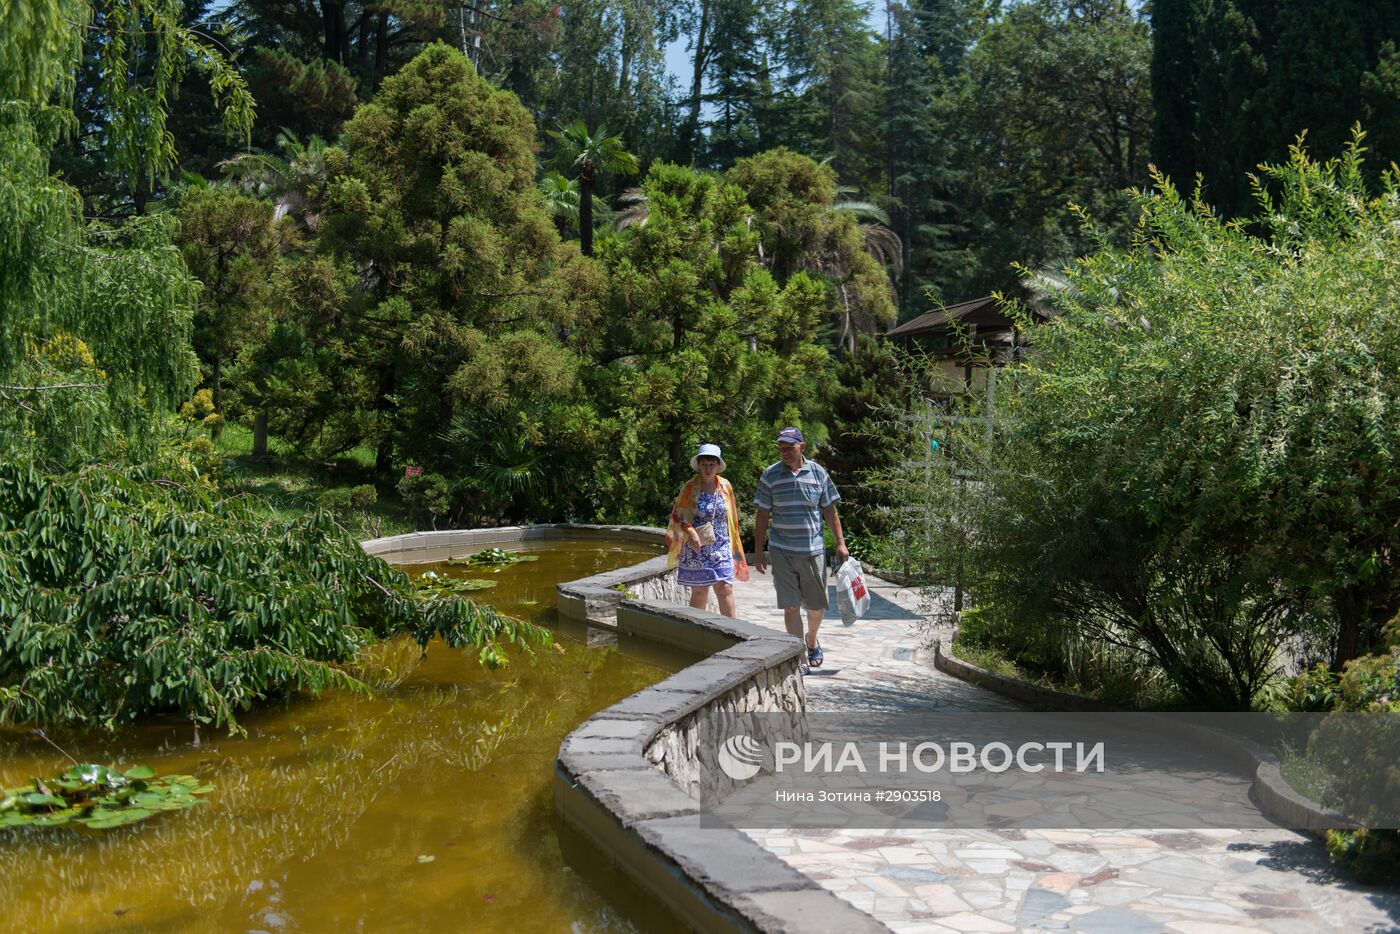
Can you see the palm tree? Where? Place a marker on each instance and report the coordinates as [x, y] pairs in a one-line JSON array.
[[562, 199], [290, 181], [593, 153], [878, 240]]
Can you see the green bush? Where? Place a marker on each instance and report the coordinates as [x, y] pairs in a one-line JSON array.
[[426, 496], [342, 500], [1196, 462], [1367, 684], [122, 595]]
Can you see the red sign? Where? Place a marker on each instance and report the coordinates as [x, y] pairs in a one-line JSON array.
[[413, 471]]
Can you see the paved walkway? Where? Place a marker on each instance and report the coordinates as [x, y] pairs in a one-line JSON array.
[[1098, 881]]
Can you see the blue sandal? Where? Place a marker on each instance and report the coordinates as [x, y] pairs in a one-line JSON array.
[[815, 656]]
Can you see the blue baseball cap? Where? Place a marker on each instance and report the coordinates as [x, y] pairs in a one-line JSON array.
[[792, 435]]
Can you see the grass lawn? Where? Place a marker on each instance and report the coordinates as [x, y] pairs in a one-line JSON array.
[[290, 486]]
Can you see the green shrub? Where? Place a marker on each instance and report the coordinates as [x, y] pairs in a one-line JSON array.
[[1367, 684], [426, 496], [125, 595], [343, 500], [335, 500], [1196, 462]]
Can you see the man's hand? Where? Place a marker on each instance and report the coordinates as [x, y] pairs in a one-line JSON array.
[[842, 555], [760, 561]]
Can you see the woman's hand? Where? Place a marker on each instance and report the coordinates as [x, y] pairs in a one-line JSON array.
[[693, 537]]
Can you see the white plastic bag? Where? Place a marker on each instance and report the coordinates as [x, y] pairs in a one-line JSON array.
[[852, 599]]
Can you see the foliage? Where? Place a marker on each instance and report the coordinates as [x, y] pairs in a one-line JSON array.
[[431, 197], [231, 242], [303, 98], [1194, 466], [593, 153], [1234, 81], [493, 558], [118, 298], [94, 321], [123, 594], [1054, 109], [342, 500], [802, 226], [426, 496], [1368, 684], [699, 342], [862, 446], [98, 797], [442, 586]]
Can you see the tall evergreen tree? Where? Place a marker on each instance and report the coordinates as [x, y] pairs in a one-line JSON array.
[[831, 88], [1235, 81], [927, 42]]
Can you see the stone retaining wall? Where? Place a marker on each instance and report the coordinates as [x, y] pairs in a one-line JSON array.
[[624, 779]]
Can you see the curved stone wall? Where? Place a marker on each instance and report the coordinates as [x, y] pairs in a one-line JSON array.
[[625, 778]]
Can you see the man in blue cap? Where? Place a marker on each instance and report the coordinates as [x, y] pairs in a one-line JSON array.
[[797, 494]]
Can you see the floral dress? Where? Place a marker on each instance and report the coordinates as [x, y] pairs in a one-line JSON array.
[[713, 563]]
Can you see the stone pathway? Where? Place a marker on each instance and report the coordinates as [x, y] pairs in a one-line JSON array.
[[1096, 881]]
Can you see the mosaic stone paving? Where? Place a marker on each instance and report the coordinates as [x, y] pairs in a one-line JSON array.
[[1101, 882]]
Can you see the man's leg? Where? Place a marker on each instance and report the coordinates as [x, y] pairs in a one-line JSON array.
[[814, 620], [787, 583], [792, 621]]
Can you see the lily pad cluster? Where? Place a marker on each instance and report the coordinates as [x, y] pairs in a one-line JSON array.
[[98, 796], [441, 585], [493, 558]]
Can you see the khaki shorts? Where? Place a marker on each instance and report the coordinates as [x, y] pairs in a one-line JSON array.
[[799, 579]]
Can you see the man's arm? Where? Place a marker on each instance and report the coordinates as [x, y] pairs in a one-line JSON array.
[[834, 520], [760, 541]]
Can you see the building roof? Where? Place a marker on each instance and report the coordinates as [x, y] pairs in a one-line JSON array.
[[984, 312]]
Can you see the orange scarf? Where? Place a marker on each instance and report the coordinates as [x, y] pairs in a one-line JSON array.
[[683, 514]]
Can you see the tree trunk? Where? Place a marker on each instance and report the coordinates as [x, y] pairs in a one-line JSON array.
[[260, 434], [383, 453], [585, 209], [218, 392], [381, 47], [697, 81], [333, 37]]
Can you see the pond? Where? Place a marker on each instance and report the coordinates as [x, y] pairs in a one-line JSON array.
[[424, 807]]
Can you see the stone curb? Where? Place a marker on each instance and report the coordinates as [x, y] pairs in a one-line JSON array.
[[608, 790], [1273, 794]]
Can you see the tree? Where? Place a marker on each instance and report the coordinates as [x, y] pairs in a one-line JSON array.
[[112, 304], [1055, 110], [1235, 81], [804, 228], [592, 153], [1195, 466], [300, 98], [432, 198], [831, 87], [689, 305], [230, 242]]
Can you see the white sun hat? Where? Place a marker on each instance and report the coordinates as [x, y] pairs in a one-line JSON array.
[[707, 450]]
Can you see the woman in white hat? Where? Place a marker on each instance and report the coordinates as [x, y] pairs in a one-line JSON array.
[[703, 534]]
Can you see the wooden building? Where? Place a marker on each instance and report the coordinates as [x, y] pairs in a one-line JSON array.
[[964, 339]]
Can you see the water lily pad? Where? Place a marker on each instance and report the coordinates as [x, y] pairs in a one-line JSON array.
[[97, 796]]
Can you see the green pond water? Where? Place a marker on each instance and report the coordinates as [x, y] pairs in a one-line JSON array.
[[425, 807]]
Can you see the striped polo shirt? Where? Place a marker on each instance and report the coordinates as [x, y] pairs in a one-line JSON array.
[[794, 502]]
